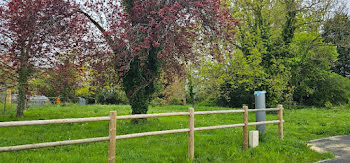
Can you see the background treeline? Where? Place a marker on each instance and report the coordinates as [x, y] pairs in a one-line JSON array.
[[298, 51]]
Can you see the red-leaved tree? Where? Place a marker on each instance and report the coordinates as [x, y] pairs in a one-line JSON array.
[[145, 37], [31, 33], [150, 36], [62, 78]]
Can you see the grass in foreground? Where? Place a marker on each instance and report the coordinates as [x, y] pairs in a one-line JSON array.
[[222, 145]]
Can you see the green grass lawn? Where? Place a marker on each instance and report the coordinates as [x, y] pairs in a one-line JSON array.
[[222, 145]]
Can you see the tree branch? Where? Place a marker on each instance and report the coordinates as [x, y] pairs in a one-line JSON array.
[[108, 38]]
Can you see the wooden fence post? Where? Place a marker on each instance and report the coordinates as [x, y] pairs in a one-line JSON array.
[[112, 136], [245, 128], [280, 118], [191, 133]]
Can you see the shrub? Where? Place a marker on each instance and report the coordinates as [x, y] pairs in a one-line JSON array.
[[175, 101], [157, 102], [235, 97], [330, 89], [210, 101], [111, 96], [328, 105]]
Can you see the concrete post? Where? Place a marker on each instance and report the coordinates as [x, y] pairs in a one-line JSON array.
[[260, 104], [253, 139]]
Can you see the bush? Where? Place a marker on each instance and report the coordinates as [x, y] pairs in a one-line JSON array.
[[157, 102], [175, 101], [328, 105], [235, 97], [111, 96], [330, 90], [210, 101]]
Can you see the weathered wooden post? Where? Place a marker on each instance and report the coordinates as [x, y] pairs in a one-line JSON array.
[[5, 104], [245, 128], [112, 136], [191, 133], [280, 118], [8, 96]]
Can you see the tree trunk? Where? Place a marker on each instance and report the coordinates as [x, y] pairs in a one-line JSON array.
[[139, 83], [139, 105], [139, 92], [21, 92]]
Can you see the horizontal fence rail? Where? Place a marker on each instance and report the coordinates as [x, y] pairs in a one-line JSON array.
[[112, 129], [266, 109], [217, 112], [52, 121], [151, 115], [218, 127], [264, 122], [52, 144]]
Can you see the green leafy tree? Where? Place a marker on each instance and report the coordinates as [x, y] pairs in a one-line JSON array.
[[283, 43], [260, 36], [313, 58], [337, 31]]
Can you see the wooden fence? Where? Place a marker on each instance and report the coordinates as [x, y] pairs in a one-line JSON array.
[[112, 128]]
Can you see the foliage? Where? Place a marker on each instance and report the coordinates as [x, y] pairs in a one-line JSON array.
[[235, 78], [209, 101], [86, 94], [146, 37], [235, 96], [158, 102], [287, 48], [330, 89], [31, 32], [175, 101], [337, 31], [313, 59], [100, 74], [190, 94], [279, 50], [174, 91], [196, 88], [257, 63], [111, 96], [62, 79]]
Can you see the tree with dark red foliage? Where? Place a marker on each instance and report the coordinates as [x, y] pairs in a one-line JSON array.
[[147, 37], [62, 78], [31, 32]]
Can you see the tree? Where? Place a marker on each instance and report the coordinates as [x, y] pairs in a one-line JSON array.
[[261, 41], [337, 31], [311, 64], [31, 32], [174, 92], [147, 37], [62, 78], [8, 75], [100, 73], [279, 49]]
